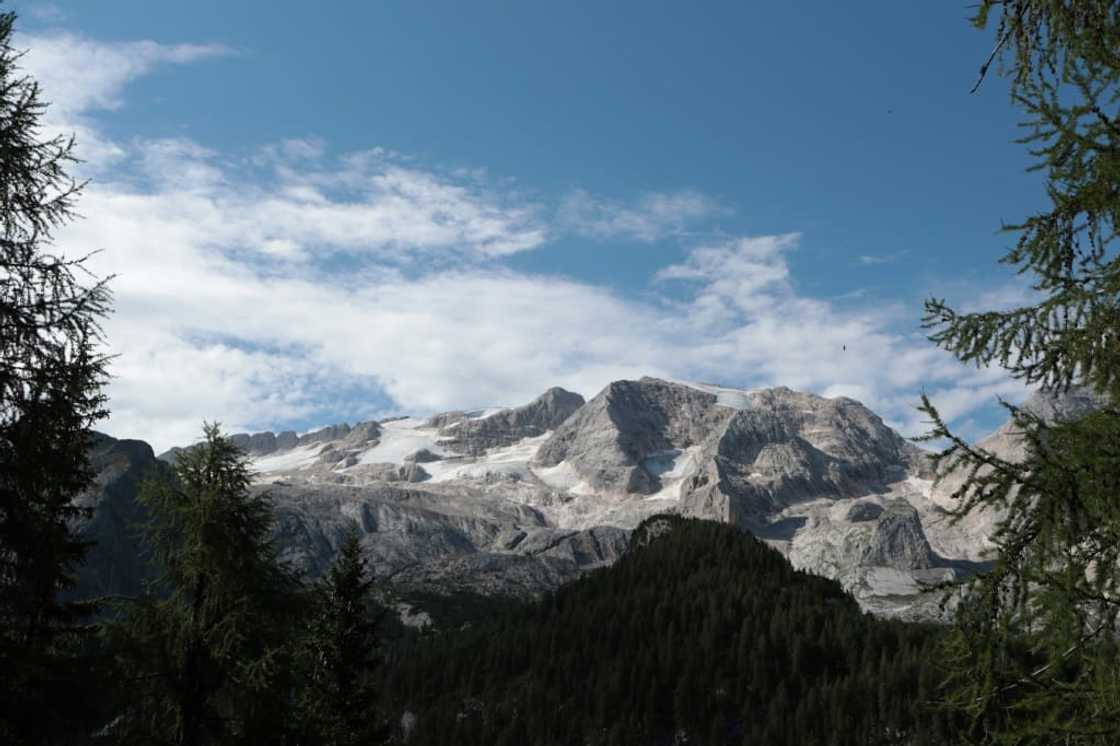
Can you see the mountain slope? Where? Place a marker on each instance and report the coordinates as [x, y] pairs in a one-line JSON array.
[[700, 635], [772, 461], [969, 539], [115, 564], [516, 501]]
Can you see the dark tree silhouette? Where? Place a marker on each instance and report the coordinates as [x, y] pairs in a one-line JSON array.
[[205, 657], [339, 654], [702, 635], [51, 377]]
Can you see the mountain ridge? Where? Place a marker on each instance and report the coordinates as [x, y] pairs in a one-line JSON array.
[[515, 501]]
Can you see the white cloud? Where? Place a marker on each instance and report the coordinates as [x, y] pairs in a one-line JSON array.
[[294, 285], [652, 217], [293, 209], [293, 149], [205, 332], [1015, 292], [738, 275], [80, 75]]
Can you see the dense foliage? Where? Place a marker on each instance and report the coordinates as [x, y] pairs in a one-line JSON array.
[[51, 377], [1035, 652], [705, 633], [227, 646], [339, 650], [204, 654]]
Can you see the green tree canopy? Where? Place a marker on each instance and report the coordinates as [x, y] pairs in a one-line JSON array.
[[1034, 653], [205, 656], [340, 655], [700, 634]]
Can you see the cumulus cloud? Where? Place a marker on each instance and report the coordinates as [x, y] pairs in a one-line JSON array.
[[293, 285], [737, 276]]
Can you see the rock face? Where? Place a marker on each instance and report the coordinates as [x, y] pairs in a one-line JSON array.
[[421, 540], [115, 564], [475, 435], [407, 472], [788, 447], [609, 440], [970, 538], [516, 501], [898, 541], [755, 452], [339, 437]]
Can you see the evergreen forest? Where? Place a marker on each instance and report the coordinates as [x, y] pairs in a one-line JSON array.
[[704, 635], [700, 634]]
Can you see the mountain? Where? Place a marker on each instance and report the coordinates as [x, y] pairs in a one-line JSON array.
[[971, 539], [514, 502], [700, 634], [114, 564]]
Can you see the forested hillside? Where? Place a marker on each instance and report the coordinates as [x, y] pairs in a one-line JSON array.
[[704, 635]]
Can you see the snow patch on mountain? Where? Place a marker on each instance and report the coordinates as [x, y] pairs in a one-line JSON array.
[[297, 458], [482, 414], [399, 439], [725, 397], [672, 467], [510, 463], [563, 477], [496, 497]]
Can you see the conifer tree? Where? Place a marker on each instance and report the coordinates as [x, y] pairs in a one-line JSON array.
[[1035, 653], [205, 656], [51, 377], [337, 704]]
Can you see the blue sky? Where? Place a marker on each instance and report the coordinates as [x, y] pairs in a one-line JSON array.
[[334, 212]]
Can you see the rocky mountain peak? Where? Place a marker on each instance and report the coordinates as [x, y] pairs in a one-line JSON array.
[[1055, 406], [608, 440], [524, 497], [475, 435], [755, 450]]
